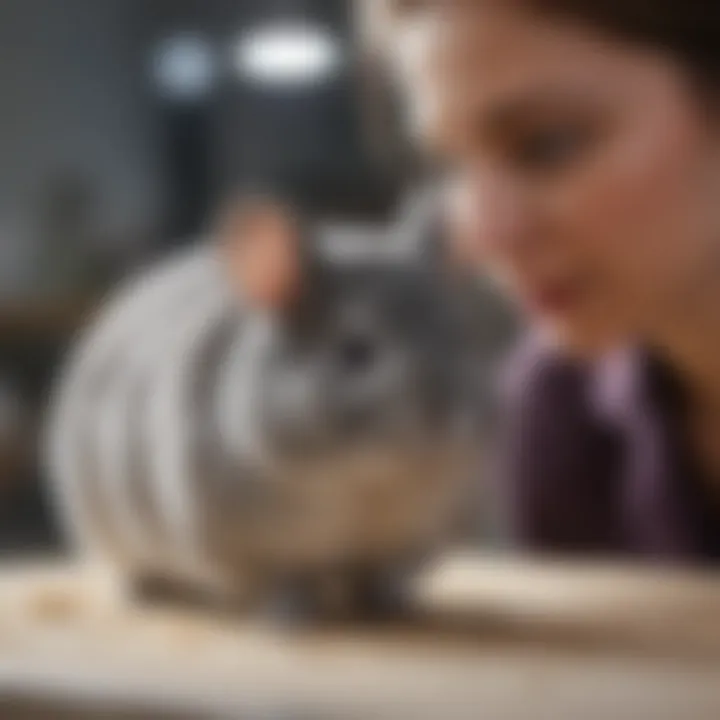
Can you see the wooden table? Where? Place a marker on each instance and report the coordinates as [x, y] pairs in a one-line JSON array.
[[496, 638]]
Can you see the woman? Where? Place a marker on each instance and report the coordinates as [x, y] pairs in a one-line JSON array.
[[582, 148]]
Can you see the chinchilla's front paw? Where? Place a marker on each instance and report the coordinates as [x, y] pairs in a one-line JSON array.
[[298, 603], [381, 598], [334, 599]]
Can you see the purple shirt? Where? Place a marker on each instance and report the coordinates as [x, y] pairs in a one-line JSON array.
[[595, 461]]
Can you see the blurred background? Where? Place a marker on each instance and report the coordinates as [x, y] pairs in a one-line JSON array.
[[124, 123]]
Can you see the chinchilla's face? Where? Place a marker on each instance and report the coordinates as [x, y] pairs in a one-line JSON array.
[[372, 357], [363, 353]]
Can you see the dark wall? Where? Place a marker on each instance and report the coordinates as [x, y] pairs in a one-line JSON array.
[[78, 108], [71, 106], [98, 170], [310, 141]]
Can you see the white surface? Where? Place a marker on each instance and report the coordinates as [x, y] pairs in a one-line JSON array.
[[540, 649]]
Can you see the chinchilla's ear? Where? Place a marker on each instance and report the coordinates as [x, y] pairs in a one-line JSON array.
[[261, 240], [419, 225], [425, 226], [429, 224]]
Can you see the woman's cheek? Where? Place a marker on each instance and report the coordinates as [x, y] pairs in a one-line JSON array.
[[466, 246], [624, 217]]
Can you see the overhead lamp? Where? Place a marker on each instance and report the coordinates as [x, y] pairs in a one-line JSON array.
[[290, 54], [184, 67]]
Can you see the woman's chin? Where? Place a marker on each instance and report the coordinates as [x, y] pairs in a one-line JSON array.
[[580, 340]]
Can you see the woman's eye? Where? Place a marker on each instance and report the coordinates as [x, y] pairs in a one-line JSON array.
[[552, 149]]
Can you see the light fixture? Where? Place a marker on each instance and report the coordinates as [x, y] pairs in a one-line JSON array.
[[184, 67], [290, 54]]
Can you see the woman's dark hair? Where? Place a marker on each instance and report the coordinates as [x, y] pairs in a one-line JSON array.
[[688, 29]]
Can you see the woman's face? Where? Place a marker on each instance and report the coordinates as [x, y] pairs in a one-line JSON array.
[[583, 172]]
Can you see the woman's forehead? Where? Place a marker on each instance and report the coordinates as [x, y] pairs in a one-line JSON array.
[[472, 58], [495, 41]]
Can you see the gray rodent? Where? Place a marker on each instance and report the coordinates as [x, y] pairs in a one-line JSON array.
[[201, 440]]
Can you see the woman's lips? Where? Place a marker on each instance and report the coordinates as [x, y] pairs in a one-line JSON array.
[[555, 298]]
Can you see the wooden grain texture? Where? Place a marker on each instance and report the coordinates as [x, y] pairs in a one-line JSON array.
[[493, 638]]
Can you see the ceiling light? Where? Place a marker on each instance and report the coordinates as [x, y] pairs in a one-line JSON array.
[[287, 55]]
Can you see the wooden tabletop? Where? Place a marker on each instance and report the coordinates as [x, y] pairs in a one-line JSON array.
[[495, 638]]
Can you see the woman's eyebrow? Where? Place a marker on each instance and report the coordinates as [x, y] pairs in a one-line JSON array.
[[515, 112]]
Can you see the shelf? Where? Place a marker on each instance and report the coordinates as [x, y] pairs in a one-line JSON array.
[[52, 316]]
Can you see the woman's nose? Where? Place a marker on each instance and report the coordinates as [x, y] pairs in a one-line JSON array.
[[491, 216]]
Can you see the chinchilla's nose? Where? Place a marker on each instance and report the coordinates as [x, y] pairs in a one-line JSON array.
[[357, 376], [356, 355], [367, 380]]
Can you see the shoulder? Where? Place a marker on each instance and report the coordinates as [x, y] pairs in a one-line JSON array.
[[554, 457], [539, 378]]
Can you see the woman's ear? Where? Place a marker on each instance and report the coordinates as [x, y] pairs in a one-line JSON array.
[[260, 241]]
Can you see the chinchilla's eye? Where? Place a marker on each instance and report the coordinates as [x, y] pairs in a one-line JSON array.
[[356, 352]]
